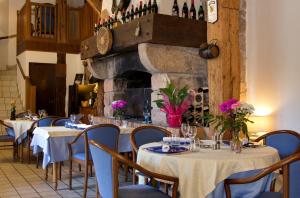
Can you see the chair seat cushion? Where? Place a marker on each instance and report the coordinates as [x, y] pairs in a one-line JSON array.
[[10, 132], [80, 156], [140, 191], [270, 195]]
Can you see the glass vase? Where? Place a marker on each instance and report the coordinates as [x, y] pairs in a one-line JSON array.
[[236, 144], [174, 120]]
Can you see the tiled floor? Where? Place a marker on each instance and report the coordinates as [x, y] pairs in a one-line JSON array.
[[26, 181]]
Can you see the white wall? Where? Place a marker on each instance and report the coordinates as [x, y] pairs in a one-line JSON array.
[[273, 66], [74, 66], [3, 31]]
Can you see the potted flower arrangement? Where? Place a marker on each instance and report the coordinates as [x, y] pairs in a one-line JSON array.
[[234, 119], [118, 107], [174, 103]]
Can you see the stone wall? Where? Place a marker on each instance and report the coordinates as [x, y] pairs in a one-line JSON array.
[[180, 65]]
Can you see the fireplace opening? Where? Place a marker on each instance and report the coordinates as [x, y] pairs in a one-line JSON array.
[[137, 93]]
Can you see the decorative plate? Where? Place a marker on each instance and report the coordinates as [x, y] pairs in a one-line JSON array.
[[173, 149], [104, 40]]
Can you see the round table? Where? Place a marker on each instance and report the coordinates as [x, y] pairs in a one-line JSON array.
[[200, 172]]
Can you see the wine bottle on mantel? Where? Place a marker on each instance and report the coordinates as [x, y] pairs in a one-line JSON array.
[[132, 13], [141, 9], [145, 9], [136, 12], [123, 16], [185, 10], [154, 7], [175, 9], [128, 16], [201, 15], [149, 7], [193, 14]]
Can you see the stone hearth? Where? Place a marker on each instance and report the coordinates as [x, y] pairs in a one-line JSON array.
[[181, 65]]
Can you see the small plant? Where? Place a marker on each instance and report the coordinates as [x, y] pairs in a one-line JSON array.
[[174, 100], [13, 110], [119, 108], [174, 103]]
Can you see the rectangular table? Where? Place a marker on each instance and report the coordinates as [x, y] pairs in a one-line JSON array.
[[20, 126], [53, 142]]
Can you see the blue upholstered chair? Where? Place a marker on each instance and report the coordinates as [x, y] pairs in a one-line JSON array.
[[106, 134], [43, 122], [285, 141], [106, 162], [291, 178], [9, 137], [60, 121], [143, 135]]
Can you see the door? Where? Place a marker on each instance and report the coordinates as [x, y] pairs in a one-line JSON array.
[[50, 82]]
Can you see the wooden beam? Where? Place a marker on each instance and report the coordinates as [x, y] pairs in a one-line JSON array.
[[224, 71], [96, 5]]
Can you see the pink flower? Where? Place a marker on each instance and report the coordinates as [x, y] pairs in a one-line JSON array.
[[226, 106], [235, 105], [119, 104]]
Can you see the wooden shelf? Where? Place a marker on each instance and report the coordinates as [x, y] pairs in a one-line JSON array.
[[155, 28]]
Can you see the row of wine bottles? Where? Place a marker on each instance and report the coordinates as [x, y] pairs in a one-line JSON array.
[[128, 15], [148, 7], [189, 13]]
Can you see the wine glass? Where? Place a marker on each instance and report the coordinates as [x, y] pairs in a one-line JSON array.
[[184, 129], [73, 118], [91, 118], [29, 113], [191, 133], [40, 112]]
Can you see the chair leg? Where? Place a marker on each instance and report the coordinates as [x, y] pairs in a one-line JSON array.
[[85, 182], [28, 151], [22, 152], [97, 190], [126, 169], [79, 167], [46, 173], [70, 174], [59, 170], [91, 170], [37, 161], [134, 177]]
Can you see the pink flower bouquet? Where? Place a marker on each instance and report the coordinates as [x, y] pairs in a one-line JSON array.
[[119, 107]]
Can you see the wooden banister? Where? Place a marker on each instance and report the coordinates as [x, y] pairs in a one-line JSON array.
[[21, 69], [30, 90], [8, 37]]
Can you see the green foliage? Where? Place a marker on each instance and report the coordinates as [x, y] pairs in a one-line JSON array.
[[176, 97]]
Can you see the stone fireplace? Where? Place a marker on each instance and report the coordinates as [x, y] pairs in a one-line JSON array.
[[137, 76]]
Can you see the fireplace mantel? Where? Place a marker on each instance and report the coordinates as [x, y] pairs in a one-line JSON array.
[[153, 28]]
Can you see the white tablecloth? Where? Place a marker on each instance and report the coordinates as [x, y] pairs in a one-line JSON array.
[[53, 142], [200, 172], [20, 126]]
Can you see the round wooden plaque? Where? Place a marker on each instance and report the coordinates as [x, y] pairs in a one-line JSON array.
[[104, 40]]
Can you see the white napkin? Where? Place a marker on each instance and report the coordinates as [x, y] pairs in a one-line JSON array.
[[165, 148], [167, 139]]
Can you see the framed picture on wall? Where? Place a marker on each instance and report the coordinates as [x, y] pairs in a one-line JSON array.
[[78, 79]]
